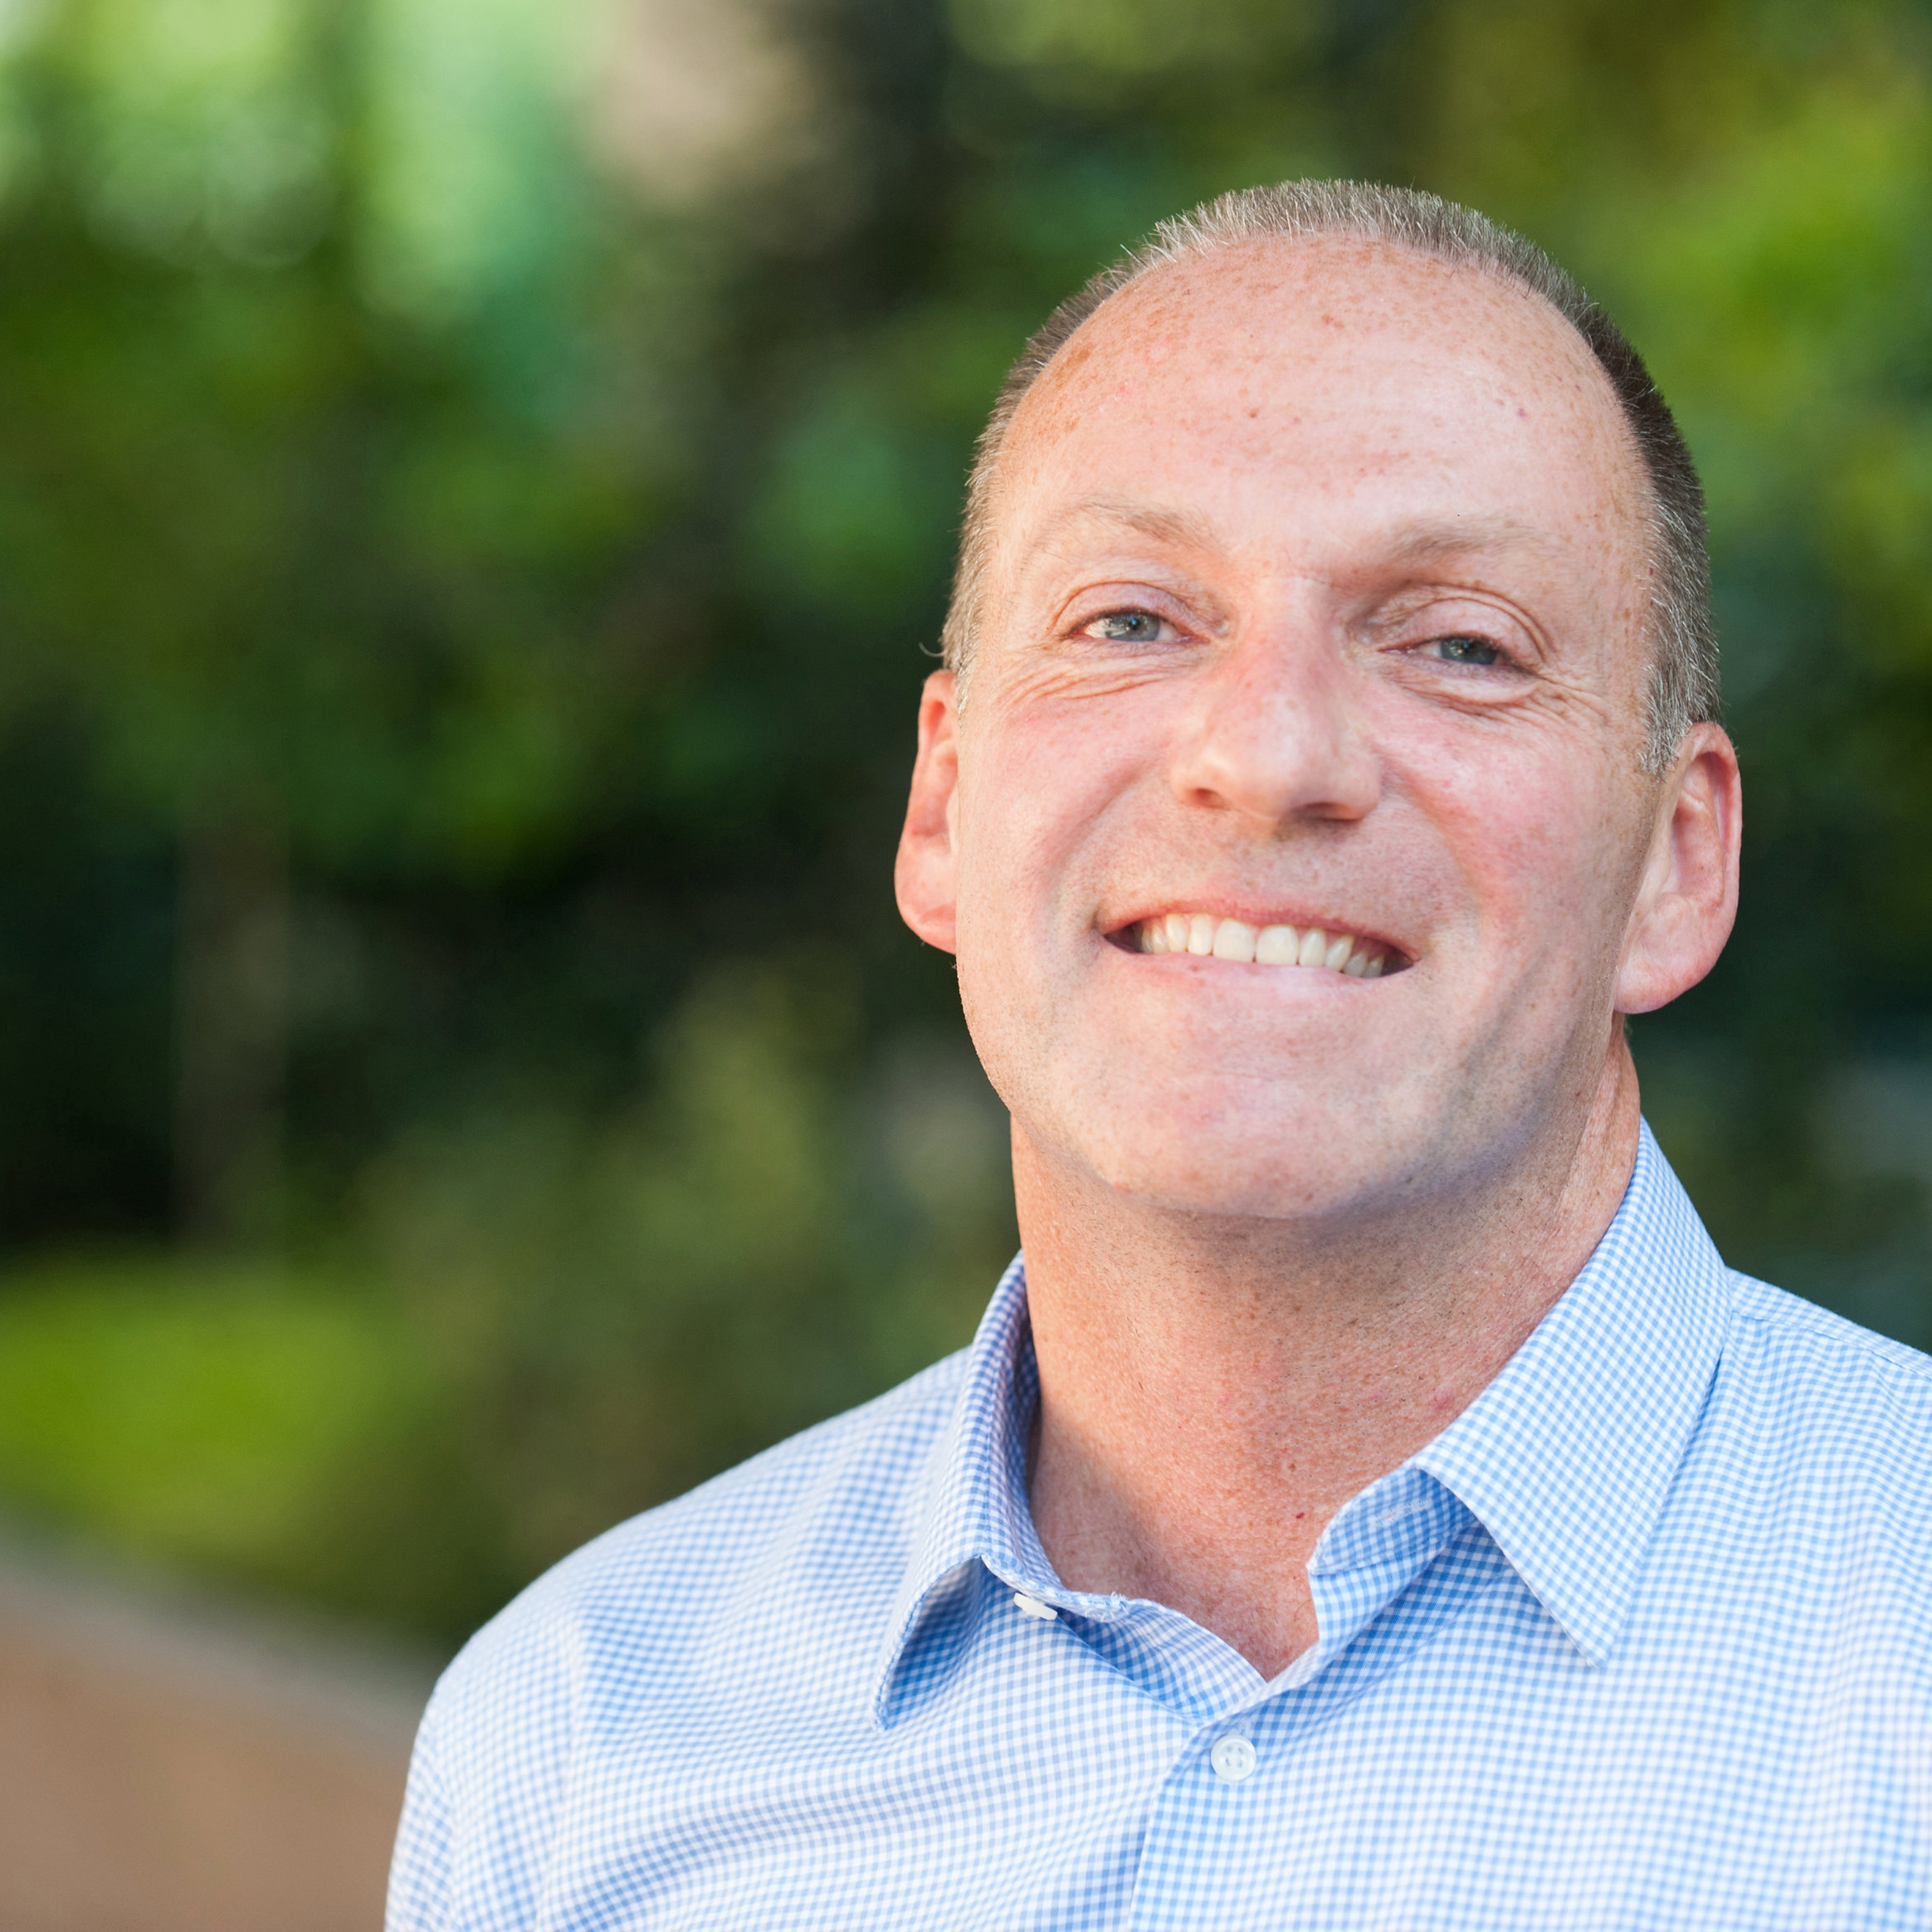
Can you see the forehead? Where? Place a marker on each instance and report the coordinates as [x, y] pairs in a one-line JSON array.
[[1324, 385]]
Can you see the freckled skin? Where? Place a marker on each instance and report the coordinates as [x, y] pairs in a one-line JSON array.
[[1379, 533]]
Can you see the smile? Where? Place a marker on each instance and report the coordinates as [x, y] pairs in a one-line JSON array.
[[1207, 937]]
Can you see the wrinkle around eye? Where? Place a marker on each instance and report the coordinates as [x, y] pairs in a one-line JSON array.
[[1193, 617], [1419, 665], [1413, 622], [1059, 675]]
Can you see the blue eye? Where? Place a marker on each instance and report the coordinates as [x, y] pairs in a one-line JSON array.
[[1126, 627], [1477, 650]]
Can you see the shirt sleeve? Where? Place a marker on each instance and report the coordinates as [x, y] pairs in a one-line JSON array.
[[488, 1779], [420, 1872]]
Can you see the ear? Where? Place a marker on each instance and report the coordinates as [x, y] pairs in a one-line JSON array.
[[925, 873], [1689, 897]]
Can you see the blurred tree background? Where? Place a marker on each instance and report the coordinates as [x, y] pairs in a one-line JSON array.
[[477, 477]]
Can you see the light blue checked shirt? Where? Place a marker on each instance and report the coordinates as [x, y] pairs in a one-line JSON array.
[[1643, 1639]]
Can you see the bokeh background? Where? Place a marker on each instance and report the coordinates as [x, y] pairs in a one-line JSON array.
[[477, 483]]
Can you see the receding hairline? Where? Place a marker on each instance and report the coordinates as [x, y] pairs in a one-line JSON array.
[[1407, 223], [1075, 351]]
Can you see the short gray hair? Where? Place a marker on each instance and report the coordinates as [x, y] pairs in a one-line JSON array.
[[1684, 678]]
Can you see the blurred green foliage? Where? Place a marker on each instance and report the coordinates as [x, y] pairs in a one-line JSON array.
[[181, 1410], [475, 480]]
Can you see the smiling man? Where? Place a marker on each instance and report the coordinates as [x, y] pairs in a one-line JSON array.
[[1370, 1501]]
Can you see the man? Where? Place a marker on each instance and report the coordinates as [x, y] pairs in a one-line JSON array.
[[1372, 1502]]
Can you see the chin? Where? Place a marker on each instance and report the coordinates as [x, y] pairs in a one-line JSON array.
[[1274, 1175]]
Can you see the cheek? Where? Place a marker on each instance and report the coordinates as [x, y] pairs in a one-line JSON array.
[[1538, 833], [1037, 786]]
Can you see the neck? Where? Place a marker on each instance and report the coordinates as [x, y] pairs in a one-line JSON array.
[[1212, 1393]]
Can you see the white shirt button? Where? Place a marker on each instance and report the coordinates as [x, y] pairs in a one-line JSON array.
[[1033, 1607], [1233, 1758]]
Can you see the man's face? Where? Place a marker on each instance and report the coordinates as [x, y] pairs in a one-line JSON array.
[[1315, 602]]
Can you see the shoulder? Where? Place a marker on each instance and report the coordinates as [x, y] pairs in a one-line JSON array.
[[842, 1500], [772, 1582], [1827, 1395], [1811, 1342]]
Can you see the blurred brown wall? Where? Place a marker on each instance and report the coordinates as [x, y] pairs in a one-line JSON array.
[[164, 1767]]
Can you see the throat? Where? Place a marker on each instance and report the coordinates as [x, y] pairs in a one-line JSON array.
[[1212, 1392], [1199, 1472]]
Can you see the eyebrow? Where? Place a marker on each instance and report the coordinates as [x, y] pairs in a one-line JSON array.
[[1421, 542], [1166, 526], [1415, 542]]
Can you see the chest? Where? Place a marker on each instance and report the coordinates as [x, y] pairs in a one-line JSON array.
[[1460, 1766]]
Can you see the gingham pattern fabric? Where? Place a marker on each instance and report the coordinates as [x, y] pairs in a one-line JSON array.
[[1642, 1640]]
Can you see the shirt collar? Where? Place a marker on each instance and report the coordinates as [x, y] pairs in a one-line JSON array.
[[977, 1511], [1568, 1455], [1565, 1458]]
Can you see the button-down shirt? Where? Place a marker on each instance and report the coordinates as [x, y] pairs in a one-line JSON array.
[[1643, 1639]]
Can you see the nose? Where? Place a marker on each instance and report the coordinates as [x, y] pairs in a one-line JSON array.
[[1276, 733]]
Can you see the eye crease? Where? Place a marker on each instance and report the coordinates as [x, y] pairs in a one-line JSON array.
[[1136, 627]]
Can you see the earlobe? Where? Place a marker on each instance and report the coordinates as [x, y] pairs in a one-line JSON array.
[[925, 873], [1688, 900]]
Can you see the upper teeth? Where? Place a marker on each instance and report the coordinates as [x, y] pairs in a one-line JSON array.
[[1201, 934]]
